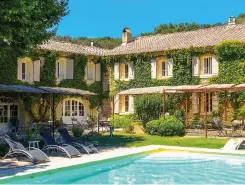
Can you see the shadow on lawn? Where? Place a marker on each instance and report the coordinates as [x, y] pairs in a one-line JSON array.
[[116, 141]]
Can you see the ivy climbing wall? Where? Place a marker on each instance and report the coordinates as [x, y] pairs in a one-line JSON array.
[[231, 56]]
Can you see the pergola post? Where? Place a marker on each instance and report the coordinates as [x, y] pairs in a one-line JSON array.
[[113, 105], [225, 106], [186, 110], [53, 105], [163, 106], [205, 116], [98, 115]]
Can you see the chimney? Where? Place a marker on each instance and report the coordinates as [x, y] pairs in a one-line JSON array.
[[126, 35], [232, 20], [92, 43]]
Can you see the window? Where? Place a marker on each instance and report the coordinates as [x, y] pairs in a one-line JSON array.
[[13, 111], [164, 68], [90, 71], [126, 103], [126, 71], [73, 108], [207, 65], [3, 113], [58, 70], [8, 111], [23, 72], [81, 109], [208, 103], [67, 108]]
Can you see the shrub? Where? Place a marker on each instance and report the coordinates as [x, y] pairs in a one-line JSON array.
[[123, 121], [196, 122], [152, 127], [180, 115], [148, 107], [171, 126], [77, 132], [92, 122]]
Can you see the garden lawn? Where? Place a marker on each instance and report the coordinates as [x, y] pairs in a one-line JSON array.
[[133, 140]]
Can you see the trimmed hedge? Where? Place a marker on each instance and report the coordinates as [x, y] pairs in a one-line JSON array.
[[152, 127], [170, 126]]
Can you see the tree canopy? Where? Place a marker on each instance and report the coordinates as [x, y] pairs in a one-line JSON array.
[[27, 23]]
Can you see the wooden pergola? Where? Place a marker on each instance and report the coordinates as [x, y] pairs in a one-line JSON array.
[[185, 89], [202, 89]]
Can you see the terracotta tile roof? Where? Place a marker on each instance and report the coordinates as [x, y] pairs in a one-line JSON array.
[[72, 48], [146, 44], [198, 38]]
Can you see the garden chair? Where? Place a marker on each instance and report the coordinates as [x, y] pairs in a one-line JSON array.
[[16, 148], [88, 147], [219, 127], [51, 145]]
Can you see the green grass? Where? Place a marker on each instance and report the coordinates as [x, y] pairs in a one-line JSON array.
[[133, 140]]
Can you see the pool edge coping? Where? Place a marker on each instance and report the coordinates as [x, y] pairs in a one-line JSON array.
[[132, 151]]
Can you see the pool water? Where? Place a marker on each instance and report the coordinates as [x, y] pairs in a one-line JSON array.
[[157, 168]]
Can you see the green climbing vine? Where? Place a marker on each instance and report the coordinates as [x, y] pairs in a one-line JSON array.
[[231, 56], [231, 71]]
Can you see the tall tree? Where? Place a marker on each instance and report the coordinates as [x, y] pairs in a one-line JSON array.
[[27, 23]]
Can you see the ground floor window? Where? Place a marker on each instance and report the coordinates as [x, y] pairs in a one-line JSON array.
[[208, 102], [126, 103], [73, 108], [8, 111]]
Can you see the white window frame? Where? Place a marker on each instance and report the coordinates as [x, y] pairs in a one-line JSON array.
[[207, 65], [73, 108], [6, 102]]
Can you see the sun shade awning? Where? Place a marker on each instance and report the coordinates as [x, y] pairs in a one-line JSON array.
[[21, 89], [43, 90], [67, 91], [185, 89]]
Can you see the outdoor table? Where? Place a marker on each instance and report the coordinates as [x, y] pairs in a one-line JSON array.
[[34, 144]]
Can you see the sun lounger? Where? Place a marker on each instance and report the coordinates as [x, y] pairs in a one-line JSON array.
[[51, 145], [16, 148], [88, 147]]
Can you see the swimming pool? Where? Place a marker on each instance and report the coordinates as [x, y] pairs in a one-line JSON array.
[[165, 167]]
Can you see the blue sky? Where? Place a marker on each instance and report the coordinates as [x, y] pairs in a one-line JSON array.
[[100, 18]]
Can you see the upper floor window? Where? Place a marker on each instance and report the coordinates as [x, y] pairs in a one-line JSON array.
[[90, 70], [123, 71], [126, 71], [58, 69], [28, 70], [207, 63], [205, 66], [64, 69], [164, 68], [23, 72]]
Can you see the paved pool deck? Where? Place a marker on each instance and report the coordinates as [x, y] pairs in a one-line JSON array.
[[10, 168]]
